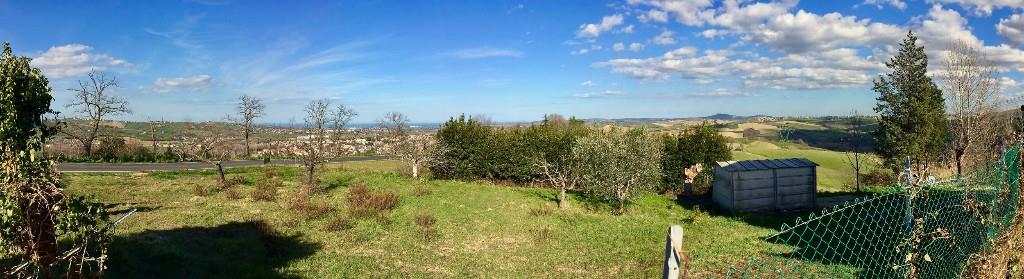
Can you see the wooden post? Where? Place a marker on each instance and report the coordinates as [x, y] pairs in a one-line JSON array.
[[673, 253]]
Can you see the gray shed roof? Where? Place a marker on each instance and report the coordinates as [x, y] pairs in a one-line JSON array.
[[750, 165]]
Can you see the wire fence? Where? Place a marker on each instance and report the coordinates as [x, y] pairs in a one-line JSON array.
[[927, 230]]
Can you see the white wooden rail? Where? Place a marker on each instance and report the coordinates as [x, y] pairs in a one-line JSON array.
[[675, 261]]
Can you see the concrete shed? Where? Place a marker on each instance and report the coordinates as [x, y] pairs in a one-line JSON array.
[[766, 185]]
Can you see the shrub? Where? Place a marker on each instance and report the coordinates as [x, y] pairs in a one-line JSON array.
[[364, 203], [200, 189], [265, 190], [272, 172], [338, 223], [425, 221], [879, 177], [110, 148], [233, 193], [237, 180], [309, 207]]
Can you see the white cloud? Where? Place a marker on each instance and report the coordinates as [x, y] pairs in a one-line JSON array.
[[899, 4], [477, 53], [587, 83], [75, 59], [983, 7], [627, 30], [634, 47], [1012, 29], [618, 47], [723, 92], [654, 15], [689, 12], [665, 38], [603, 94], [592, 30], [196, 82], [580, 51]]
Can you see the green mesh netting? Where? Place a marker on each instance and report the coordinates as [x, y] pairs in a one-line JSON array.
[[928, 231]]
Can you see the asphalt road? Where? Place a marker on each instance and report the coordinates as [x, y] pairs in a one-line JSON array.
[[139, 167]]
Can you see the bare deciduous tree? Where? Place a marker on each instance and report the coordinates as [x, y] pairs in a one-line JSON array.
[[314, 150], [95, 104], [398, 142], [249, 108], [855, 156], [205, 147], [340, 118], [970, 83]]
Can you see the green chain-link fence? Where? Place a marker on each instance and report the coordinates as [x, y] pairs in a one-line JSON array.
[[930, 230]]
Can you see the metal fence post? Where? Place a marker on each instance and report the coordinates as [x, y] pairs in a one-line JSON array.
[[673, 253], [908, 218]]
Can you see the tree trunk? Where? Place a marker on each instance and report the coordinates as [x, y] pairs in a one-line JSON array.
[[622, 206], [220, 171], [43, 233], [87, 147], [415, 171], [856, 174], [688, 189], [562, 203], [247, 154], [309, 179], [959, 154]]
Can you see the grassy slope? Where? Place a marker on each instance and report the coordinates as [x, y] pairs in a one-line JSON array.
[[485, 231], [834, 173]]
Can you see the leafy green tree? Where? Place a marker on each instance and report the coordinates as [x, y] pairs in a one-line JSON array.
[[911, 109], [461, 149], [702, 144], [34, 210], [619, 165]]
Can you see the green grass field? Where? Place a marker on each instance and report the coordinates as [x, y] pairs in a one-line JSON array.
[[483, 230], [834, 172]]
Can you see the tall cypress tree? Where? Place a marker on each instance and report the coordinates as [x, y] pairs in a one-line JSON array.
[[911, 109]]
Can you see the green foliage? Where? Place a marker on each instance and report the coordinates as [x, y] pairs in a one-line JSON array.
[[700, 144], [470, 150], [34, 211], [619, 165], [911, 108]]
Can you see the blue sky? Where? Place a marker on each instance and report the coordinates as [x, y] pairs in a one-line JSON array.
[[510, 60]]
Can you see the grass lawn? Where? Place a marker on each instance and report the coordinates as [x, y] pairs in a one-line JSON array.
[[482, 230], [834, 173]]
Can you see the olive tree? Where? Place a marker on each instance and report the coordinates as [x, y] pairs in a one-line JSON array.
[[617, 165], [92, 99]]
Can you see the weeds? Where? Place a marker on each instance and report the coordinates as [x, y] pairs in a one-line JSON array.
[[237, 180], [233, 193], [338, 223], [420, 191], [309, 207], [541, 211], [364, 203], [265, 190], [541, 233], [426, 221], [200, 189]]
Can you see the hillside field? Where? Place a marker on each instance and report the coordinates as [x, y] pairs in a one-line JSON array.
[[482, 230]]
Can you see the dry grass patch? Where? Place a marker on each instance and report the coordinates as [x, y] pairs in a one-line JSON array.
[[309, 207], [420, 191], [364, 203], [338, 223], [233, 193], [265, 190]]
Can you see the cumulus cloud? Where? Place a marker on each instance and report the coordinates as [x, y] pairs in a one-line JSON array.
[[692, 12], [983, 7], [168, 84], [593, 30], [1012, 29], [75, 59], [665, 38], [619, 47], [899, 4], [636, 47], [602, 94], [477, 53], [724, 92]]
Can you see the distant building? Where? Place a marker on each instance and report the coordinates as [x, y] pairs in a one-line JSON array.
[[766, 185]]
